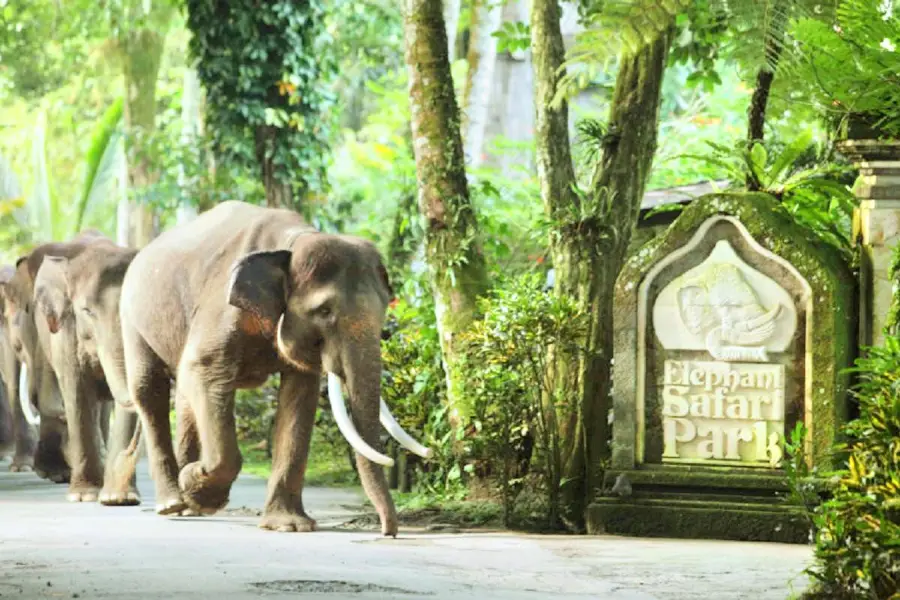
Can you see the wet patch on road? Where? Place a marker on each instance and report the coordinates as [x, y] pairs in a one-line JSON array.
[[315, 586]]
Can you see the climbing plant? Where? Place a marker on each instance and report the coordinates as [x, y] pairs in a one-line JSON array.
[[267, 69]]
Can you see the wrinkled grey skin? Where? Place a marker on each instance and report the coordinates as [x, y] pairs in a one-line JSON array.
[[52, 458], [78, 298], [17, 437], [202, 302]]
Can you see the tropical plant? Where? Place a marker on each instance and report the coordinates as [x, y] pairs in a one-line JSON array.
[[815, 194], [851, 67], [857, 531]]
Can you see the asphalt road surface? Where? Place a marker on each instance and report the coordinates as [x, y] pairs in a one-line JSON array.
[[50, 548]]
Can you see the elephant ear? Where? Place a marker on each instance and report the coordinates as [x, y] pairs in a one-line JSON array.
[[51, 290], [258, 284]]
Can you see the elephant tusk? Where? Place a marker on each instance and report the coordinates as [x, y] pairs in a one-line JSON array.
[[339, 410], [24, 399], [394, 428]]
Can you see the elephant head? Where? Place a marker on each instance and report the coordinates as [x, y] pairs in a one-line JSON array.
[[325, 300], [83, 293]]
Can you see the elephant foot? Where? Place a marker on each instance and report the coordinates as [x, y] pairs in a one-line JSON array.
[[22, 464], [203, 493], [287, 522], [127, 497], [49, 463], [171, 506], [83, 493]]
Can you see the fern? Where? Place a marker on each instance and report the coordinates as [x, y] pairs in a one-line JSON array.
[[755, 33]]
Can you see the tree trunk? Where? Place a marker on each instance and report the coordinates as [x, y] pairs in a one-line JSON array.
[[456, 264], [191, 129], [142, 54], [482, 58], [588, 250], [278, 193], [451, 21], [756, 112]]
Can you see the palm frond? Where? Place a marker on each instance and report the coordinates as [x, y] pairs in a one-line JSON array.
[[100, 161]]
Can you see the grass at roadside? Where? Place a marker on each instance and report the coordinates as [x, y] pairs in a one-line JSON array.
[[326, 467]]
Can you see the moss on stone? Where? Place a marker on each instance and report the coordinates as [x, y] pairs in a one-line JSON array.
[[711, 520]]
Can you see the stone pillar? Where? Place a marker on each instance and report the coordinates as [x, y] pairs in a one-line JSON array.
[[877, 227]]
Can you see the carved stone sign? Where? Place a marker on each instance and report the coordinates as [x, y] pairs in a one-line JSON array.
[[730, 329], [722, 413]]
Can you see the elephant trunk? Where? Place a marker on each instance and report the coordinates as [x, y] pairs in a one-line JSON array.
[[362, 369]]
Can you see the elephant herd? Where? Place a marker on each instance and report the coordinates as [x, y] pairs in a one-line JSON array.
[[99, 338]]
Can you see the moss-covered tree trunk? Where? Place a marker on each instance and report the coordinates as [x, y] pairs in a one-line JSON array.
[[455, 262], [591, 233], [141, 56]]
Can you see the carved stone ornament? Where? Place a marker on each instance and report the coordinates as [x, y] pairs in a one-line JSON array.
[[727, 308]]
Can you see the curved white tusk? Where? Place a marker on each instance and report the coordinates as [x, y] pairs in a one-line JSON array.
[[393, 427], [339, 410], [24, 398]]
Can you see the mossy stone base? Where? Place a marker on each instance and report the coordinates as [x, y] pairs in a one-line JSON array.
[[725, 520], [699, 502]]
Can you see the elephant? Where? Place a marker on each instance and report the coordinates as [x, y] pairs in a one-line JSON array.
[[51, 460], [17, 434], [77, 311], [225, 301]]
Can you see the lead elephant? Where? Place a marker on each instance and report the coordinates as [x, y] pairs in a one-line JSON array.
[[223, 302], [17, 434], [77, 301], [51, 459]]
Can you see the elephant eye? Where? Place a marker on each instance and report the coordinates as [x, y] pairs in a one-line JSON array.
[[324, 311], [87, 311]]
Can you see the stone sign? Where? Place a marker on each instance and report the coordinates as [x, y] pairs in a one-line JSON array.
[[731, 328]]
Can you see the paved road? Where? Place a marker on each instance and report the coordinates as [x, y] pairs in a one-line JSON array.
[[52, 549]]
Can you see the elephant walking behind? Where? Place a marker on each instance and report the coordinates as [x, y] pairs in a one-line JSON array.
[[220, 304]]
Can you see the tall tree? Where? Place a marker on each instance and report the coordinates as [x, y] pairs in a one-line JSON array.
[[267, 68], [455, 261], [591, 229], [482, 57], [139, 29]]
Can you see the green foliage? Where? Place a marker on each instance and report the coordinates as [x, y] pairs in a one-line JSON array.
[[513, 400], [415, 388], [815, 195], [850, 65], [513, 36], [99, 161], [267, 68], [858, 529]]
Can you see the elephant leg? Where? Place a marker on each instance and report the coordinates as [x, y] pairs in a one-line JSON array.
[[149, 387], [187, 438], [49, 457], [26, 442], [106, 412], [7, 429], [298, 399], [206, 483], [119, 480], [26, 438], [82, 413]]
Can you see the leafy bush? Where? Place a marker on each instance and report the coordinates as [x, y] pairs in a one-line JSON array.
[[415, 388], [858, 529], [513, 398]]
